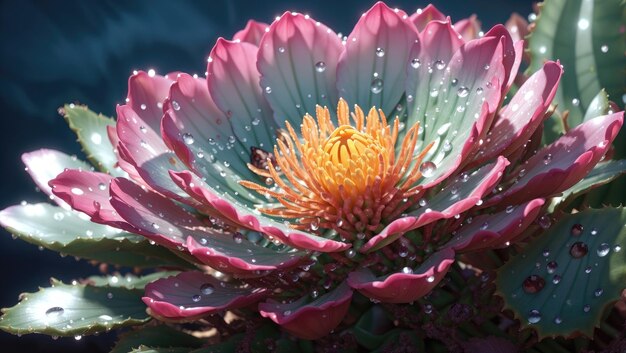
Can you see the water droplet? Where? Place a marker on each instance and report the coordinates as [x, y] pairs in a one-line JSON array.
[[552, 266], [238, 237], [447, 146], [428, 308], [547, 159], [603, 249], [380, 52], [377, 85], [339, 222], [586, 308], [440, 65], [105, 317], [486, 67], [188, 138], [434, 92], [77, 191], [55, 311], [102, 186], [320, 66], [143, 107], [407, 270], [479, 90], [428, 169], [484, 226], [422, 202], [578, 250], [583, 24], [509, 209], [617, 248], [155, 226], [360, 235], [604, 48], [196, 298], [544, 222], [207, 289], [533, 284], [287, 312], [281, 49], [315, 224], [109, 295], [462, 91], [558, 320], [430, 279], [576, 230], [598, 292], [268, 89], [588, 269], [534, 316], [556, 279], [78, 337], [350, 253], [575, 102], [175, 105], [415, 63]]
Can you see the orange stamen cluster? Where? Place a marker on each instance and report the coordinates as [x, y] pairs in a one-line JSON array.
[[348, 178]]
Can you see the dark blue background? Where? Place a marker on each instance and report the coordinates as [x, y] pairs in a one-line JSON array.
[[53, 52]]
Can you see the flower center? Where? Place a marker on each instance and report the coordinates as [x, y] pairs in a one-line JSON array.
[[348, 178]]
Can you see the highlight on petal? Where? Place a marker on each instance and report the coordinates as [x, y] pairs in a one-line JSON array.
[[88, 192], [44, 165], [511, 54], [233, 81], [422, 17], [406, 286], [297, 60], [248, 218], [459, 196], [563, 163], [495, 230], [468, 28], [252, 33], [376, 52], [307, 319], [196, 294], [518, 120], [146, 92]]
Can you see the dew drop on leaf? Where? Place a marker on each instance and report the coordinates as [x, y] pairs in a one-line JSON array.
[[576, 230], [533, 284], [428, 169], [55, 311], [578, 250], [207, 289]]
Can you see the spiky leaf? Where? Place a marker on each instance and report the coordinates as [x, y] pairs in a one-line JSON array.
[[579, 268], [67, 232], [585, 36], [91, 129], [70, 310], [146, 349], [129, 281]]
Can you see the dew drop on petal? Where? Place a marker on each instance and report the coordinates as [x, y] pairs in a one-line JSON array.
[[380, 52], [509, 208], [576, 230], [434, 92], [462, 91], [196, 298], [287, 312], [428, 168], [320, 66], [430, 279], [102, 186], [578, 250], [603, 250], [415, 63], [534, 316], [207, 289], [407, 270], [175, 105], [440, 65], [77, 191], [188, 138], [547, 159], [281, 49], [533, 284], [377, 85], [55, 311], [155, 226]]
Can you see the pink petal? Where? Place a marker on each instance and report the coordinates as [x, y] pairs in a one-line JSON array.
[[88, 192], [511, 54], [44, 165], [371, 70], [517, 121], [233, 82], [247, 218], [403, 287], [424, 16], [125, 166], [252, 33], [298, 60], [202, 136], [145, 96], [459, 196], [196, 294], [517, 26], [312, 320], [144, 149], [468, 28], [563, 163], [161, 220], [455, 102], [490, 231]]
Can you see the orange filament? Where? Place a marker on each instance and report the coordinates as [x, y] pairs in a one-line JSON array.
[[348, 178]]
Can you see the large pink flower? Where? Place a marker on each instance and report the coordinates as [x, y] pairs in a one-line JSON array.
[[298, 211]]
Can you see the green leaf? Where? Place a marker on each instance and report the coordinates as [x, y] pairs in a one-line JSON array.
[[601, 174], [146, 349], [585, 36], [69, 233], [224, 347], [372, 329], [579, 269], [129, 281], [91, 129], [155, 336], [598, 106], [71, 310]]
